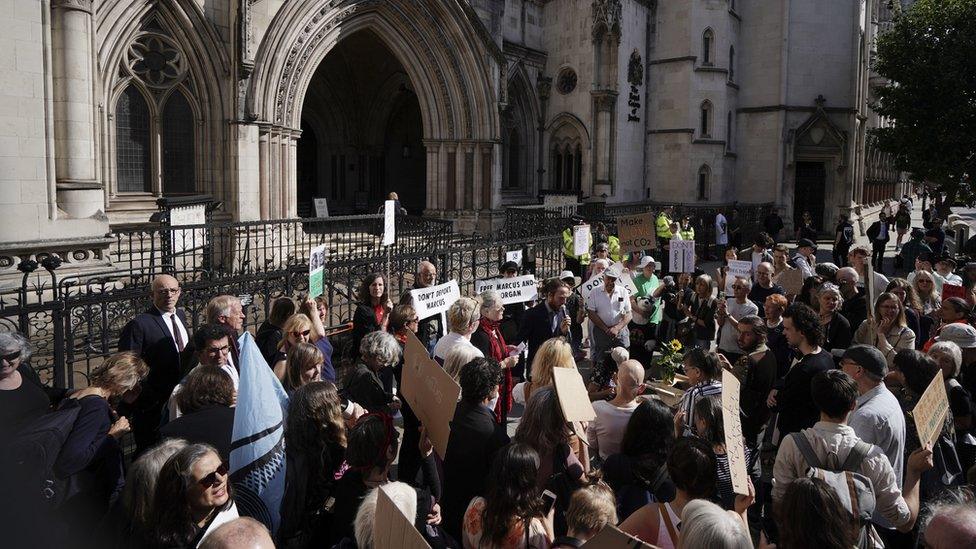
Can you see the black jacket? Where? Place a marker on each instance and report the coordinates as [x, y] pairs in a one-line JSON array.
[[474, 439], [875, 230], [212, 425], [855, 309], [363, 322], [364, 387], [536, 328], [794, 401], [267, 340], [838, 334], [759, 380], [148, 336]]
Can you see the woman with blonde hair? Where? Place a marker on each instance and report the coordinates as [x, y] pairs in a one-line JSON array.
[[913, 307], [553, 353], [297, 329], [458, 357], [303, 365], [928, 295], [463, 318], [888, 330]]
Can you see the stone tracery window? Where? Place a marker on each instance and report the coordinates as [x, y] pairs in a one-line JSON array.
[[178, 149], [566, 81], [132, 141], [156, 60], [708, 41]]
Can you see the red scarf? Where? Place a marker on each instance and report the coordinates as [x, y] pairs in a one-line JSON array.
[[498, 347]]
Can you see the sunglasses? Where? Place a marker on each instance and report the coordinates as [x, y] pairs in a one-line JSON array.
[[11, 357], [305, 333], [213, 479]]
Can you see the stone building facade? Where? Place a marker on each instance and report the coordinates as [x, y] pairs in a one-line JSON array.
[[461, 107]]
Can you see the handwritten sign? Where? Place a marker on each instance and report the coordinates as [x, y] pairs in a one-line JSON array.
[[518, 289], [434, 300], [431, 392], [734, 445], [636, 232], [681, 255], [596, 282], [389, 222], [872, 293], [321, 207], [514, 256], [581, 240], [791, 280], [931, 410], [737, 269], [391, 528], [612, 537], [954, 290], [572, 395], [316, 261]]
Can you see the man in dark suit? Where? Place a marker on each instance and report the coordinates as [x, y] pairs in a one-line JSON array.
[[879, 234], [546, 320], [158, 336], [474, 440]]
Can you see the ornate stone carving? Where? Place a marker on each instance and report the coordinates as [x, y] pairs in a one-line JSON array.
[[80, 5], [543, 86], [157, 60], [606, 18], [635, 69], [566, 81]]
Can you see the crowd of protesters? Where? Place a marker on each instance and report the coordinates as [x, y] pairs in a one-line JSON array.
[[828, 383]]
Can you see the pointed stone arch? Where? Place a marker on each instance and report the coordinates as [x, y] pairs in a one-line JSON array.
[[520, 137]]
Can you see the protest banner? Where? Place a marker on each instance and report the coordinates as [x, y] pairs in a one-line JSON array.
[[681, 256], [431, 392], [316, 263], [389, 222], [581, 240], [734, 444], [612, 537], [391, 528], [737, 269], [954, 290], [434, 300], [572, 395], [321, 207], [930, 411], [636, 232], [514, 256], [518, 289], [597, 282]]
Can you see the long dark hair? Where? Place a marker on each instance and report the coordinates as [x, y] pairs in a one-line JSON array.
[[362, 293], [648, 438], [817, 519], [513, 495], [174, 523], [315, 429], [918, 368], [709, 410]]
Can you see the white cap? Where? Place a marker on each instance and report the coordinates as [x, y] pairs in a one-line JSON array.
[[647, 260], [612, 271], [963, 335], [567, 274]]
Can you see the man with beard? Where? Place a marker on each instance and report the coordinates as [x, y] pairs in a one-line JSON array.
[[756, 369]]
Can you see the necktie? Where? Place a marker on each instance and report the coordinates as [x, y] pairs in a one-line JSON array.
[[177, 335]]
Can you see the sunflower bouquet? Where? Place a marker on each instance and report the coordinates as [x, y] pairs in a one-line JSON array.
[[669, 362]]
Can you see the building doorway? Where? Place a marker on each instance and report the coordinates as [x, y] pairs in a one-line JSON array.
[[809, 190]]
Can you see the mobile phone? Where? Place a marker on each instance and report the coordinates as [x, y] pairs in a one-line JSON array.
[[548, 500]]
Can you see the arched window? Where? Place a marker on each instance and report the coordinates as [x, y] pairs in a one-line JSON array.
[[566, 158], [704, 175], [731, 63], [568, 182], [557, 174], [513, 157], [728, 131], [578, 168], [132, 145], [708, 40], [178, 146], [705, 122]]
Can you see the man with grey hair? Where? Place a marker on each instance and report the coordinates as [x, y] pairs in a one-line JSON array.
[[764, 286], [403, 496], [855, 307], [949, 522], [878, 418], [729, 313], [429, 329], [240, 533]]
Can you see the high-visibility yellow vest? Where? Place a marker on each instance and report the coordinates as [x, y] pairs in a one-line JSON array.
[[568, 247], [662, 226], [614, 244], [687, 234]]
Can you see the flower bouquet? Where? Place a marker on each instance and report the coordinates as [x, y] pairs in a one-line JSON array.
[[670, 360]]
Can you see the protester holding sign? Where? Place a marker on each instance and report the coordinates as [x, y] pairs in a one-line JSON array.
[[609, 311], [431, 328]]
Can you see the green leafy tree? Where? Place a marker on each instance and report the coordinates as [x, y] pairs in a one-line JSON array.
[[929, 59]]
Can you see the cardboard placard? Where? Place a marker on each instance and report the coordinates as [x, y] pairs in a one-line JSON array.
[[573, 398], [954, 290], [612, 537], [517, 289], [736, 269], [791, 280], [596, 282], [514, 256], [391, 528], [431, 392], [581, 240], [670, 396], [316, 262], [434, 300], [636, 232], [321, 207], [930, 412], [681, 256], [734, 445], [389, 222]]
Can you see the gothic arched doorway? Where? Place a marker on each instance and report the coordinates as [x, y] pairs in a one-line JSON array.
[[368, 130]]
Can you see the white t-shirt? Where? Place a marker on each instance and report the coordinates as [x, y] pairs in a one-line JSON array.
[[449, 342], [606, 432], [729, 338], [721, 230], [610, 307]]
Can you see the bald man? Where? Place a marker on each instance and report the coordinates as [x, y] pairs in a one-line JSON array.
[[607, 431], [240, 533], [430, 329], [159, 336], [952, 525]]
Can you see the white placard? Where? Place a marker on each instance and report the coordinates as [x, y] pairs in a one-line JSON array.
[[517, 289], [389, 222], [514, 255], [681, 256], [734, 445], [435, 299], [321, 207], [597, 282], [581, 240], [184, 240], [737, 269]]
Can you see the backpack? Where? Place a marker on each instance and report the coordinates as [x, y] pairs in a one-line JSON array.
[[30, 457], [856, 491]]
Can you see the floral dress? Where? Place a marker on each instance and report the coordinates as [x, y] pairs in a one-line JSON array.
[[471, 537]]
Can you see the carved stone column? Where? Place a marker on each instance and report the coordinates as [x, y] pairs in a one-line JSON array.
[[79, 194], [450, 171], [264, 175]]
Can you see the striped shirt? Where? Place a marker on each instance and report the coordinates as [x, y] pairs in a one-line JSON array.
[[692, 396]]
